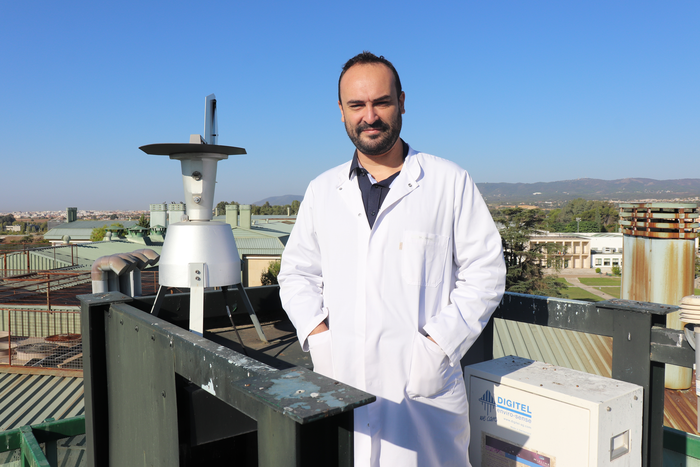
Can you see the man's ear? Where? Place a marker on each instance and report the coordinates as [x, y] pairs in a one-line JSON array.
[[402, 99], [342, 114]]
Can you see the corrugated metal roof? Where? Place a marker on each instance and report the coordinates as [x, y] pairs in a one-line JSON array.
[[85, 254], [584, 352], [259, 246], [28, 399], [81, 230], [576, 350]]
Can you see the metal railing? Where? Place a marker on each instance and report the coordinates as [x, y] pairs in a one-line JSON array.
[[155, 393], [156, 371], [27, 441]]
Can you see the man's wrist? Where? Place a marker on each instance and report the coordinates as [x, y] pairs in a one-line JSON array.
[[319, 329]]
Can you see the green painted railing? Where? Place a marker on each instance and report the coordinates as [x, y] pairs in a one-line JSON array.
[[28, 439]]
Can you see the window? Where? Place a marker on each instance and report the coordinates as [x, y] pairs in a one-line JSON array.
[[606, 262], [598, 262], [616, 261]]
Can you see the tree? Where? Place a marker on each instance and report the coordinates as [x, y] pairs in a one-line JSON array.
[[524, 260], [220, 208], [98, 233], [113, 216], [269, 276], [143, 222], [596, 216], [295, 206]]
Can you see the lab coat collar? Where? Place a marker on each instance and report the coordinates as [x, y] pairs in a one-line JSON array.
[[408, 180]]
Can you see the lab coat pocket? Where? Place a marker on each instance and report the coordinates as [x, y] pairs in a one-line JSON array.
[[423, 258], [321, 349], [429, 370]]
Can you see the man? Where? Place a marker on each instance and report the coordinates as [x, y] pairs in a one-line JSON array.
[[391, 272]]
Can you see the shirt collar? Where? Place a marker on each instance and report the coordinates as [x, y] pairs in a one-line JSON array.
[[355, 166]]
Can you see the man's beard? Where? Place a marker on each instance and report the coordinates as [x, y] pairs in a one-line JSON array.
[[379, 144]]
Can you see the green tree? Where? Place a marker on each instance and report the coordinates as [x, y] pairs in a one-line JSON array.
[[98, 233], [525, 272], [269, 276], [596, 216], [295, 206], [113, 216], [143, 222]]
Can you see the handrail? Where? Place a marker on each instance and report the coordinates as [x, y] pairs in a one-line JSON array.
[[141, 373]]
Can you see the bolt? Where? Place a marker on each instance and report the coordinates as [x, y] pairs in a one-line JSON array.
[[162, 393], [153, 337], [609, 409], [136, 329], [121, 321], [197, 199]]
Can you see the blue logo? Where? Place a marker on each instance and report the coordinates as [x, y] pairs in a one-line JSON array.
[[488, 402]]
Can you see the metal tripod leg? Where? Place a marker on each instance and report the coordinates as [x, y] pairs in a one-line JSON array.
[[249, 307], [155, 309], [224, 290]]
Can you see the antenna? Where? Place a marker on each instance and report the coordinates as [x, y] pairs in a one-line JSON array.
[[211, 129]]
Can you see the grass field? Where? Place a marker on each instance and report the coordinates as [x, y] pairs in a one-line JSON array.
[[601, 281], [577, 293], [609, 285]]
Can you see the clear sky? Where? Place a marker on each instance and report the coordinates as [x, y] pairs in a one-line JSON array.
[[514, 91]]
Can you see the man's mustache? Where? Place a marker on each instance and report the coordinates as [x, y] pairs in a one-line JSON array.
[[377, 125]]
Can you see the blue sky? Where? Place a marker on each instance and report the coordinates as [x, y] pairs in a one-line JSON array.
[[514, 91]]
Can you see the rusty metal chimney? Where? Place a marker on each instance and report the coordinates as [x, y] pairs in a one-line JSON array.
[[658, 262]]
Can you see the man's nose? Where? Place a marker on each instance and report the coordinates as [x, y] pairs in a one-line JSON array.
[[370, 115]]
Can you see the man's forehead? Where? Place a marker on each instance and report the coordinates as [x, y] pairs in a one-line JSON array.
[[376, 73]]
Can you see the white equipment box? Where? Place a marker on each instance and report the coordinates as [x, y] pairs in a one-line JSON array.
[[525, 413]]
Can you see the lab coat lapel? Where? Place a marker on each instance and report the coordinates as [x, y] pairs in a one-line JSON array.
[[407, 181], [350, 193]]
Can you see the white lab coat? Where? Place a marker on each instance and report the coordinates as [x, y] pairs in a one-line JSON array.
[[432, 264]]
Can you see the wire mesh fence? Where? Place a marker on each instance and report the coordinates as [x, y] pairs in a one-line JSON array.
[[42, 339]]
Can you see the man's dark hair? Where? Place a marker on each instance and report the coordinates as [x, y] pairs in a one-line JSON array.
[[366, 58]]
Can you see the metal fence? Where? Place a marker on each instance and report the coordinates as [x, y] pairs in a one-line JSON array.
[[145, 359], [41, 339]]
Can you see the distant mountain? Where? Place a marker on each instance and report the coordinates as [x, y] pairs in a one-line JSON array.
[[626, 189], [279, 200]]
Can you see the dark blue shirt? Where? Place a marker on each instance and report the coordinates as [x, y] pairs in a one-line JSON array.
[[373, 194]]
